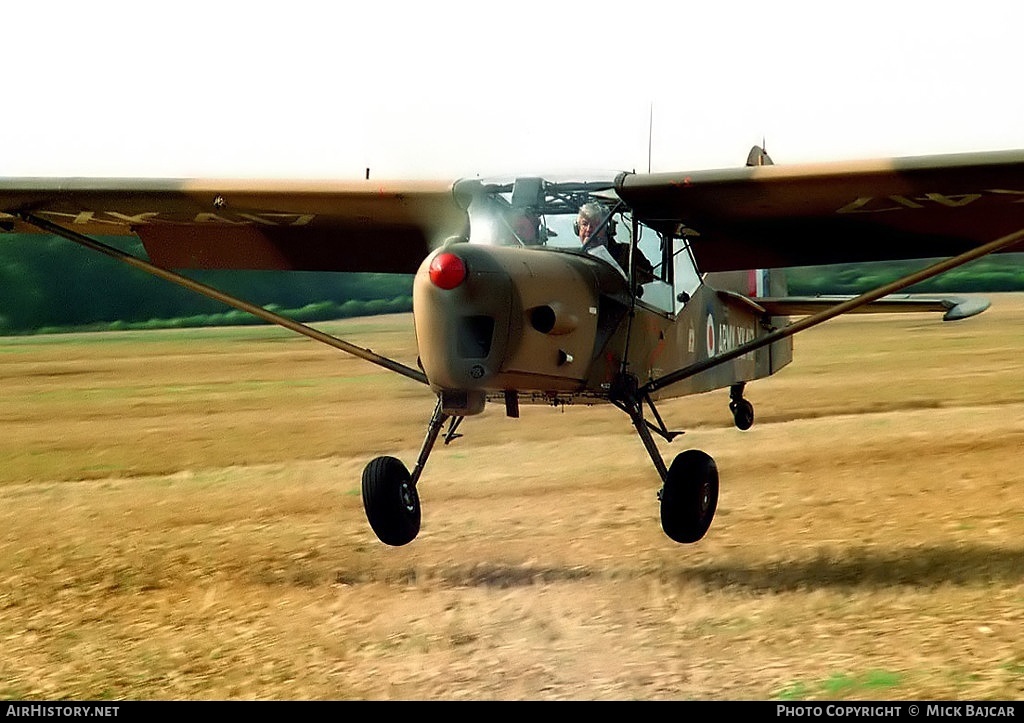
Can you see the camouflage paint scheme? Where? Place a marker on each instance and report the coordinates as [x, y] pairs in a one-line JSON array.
[[673, 286], [734, 220]]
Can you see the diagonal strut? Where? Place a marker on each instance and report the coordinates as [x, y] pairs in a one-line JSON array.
[[815, 319], [217, 295]]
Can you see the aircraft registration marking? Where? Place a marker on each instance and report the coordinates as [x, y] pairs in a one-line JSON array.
[[881, 204], [727, 337], [117, 218], [731, 336]]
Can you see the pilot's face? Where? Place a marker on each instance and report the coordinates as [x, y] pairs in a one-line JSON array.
[[525, 228], [587, 228]]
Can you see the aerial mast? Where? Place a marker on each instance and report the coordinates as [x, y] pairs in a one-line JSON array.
[[650, 129]]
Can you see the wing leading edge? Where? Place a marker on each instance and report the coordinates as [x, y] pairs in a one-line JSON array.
[[749, 217], [805, 215]]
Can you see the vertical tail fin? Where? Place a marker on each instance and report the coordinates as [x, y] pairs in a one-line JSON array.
[[758, 156], [754, 282], [764, 282]]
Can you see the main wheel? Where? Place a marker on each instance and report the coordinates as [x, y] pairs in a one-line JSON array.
[[690, 496], [742, 414], [392, 504]]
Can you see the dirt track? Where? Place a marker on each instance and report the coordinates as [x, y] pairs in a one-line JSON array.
[[180, 518]]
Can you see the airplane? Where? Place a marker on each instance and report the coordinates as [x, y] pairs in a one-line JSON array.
[[684, 294]]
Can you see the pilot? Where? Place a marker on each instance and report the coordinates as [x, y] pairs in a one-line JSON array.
[[526, 226], [592, 228]]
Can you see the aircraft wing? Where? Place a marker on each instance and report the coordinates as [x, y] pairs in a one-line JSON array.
[[231, 224], [806, 215]]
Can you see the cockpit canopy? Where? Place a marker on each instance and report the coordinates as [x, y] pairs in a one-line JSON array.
[[541, 213], [531, 211]]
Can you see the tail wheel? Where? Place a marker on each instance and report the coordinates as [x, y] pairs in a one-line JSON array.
[[690, 496], [391, 502]]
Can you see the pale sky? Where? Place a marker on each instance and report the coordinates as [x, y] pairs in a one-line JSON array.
[[453, 89]]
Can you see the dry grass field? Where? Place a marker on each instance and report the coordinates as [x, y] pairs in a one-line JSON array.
[[180, 518]]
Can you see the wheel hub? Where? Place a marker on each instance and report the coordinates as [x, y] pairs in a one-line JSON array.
[[408, 496]]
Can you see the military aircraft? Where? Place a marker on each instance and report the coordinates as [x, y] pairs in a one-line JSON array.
[[684, 294]]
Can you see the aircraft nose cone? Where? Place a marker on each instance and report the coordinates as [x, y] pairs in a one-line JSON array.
[[447, 271]]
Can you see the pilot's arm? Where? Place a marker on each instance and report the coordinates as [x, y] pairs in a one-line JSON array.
[[642, 268], [601, 251]]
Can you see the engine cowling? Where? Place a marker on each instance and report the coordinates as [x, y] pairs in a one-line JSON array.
[[492, 318]]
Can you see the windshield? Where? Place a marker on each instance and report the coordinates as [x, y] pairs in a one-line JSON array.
[[532, 211], [582, 215]]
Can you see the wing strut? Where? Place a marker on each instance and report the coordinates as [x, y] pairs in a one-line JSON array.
[[220, 296], [815, 319]]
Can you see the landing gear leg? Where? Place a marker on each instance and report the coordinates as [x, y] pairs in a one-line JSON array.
[[742, 410], [390, 499], [689, 492]]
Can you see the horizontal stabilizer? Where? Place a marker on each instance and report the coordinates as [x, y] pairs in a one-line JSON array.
[[962, 308], [952, 308]]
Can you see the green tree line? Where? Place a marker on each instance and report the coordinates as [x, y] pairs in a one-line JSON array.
[[989, 274], [49, 284]]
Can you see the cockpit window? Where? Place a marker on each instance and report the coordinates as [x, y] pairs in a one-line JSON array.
[[531, 211], [545, 213], [494, 225]]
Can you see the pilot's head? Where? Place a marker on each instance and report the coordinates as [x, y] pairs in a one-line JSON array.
[[526, 226], [590, 218]]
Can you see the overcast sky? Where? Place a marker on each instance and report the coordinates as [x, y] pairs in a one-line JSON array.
[[451, 89]]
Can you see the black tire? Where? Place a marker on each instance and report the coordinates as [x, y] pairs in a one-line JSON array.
[[743, 414], [392, 505], [690, 496]]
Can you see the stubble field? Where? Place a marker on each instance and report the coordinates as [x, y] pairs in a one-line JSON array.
[[180, 518]]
